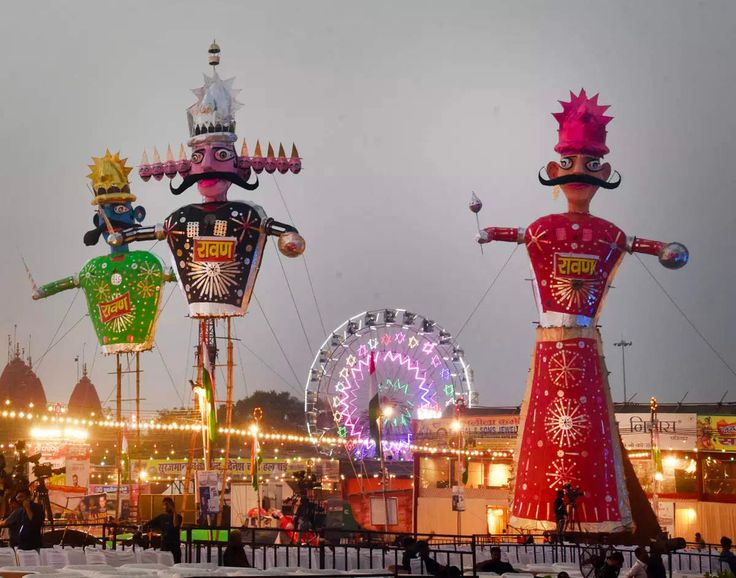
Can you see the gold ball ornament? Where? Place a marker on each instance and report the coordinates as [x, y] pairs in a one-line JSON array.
[[291, 244]]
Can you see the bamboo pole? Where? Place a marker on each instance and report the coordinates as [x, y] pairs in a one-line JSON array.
[[228, 417]]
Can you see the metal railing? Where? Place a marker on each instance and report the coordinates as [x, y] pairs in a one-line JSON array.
[[341, 550]]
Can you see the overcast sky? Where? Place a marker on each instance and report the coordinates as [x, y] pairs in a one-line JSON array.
[[399, 109]]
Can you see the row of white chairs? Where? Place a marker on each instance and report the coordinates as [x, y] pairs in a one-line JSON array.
[[62, 557], [176, 571]]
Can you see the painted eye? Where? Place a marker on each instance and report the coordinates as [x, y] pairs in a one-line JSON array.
[[566, 163], [121, 209], [197, 157], [224, 154], [593, 165]]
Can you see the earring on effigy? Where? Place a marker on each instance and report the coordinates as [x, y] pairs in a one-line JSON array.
[[556, 192]]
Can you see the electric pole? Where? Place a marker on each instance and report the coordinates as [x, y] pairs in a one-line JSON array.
[[623, 345]]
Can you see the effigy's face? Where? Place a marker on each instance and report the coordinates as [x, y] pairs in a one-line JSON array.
[[214, 158], [121, 216], [587, 167]]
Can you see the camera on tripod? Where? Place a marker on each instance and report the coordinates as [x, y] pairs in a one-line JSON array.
[[572, 493], [45, 471], [42, 471]]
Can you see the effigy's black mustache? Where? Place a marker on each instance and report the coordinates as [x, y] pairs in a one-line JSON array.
[[234, 178], [580, 178]]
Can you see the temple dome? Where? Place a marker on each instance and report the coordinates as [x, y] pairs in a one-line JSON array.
[[84, 399], [20, 384]]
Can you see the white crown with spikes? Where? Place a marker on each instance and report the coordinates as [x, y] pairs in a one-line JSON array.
[[212, 117]]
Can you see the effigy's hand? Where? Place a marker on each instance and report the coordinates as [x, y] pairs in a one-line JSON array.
[[115, 239], [483, 237], [291, 244], [674, 255]]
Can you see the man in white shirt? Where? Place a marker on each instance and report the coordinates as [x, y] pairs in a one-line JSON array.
[[639, 569]]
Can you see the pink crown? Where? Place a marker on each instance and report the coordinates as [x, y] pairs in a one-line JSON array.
[[582, 126]]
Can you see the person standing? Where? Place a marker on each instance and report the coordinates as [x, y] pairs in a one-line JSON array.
[[169, 524], [560, 513], [303, 518], [31, 522], [234, 555], [12, 522], [639, 569], [727, 557]]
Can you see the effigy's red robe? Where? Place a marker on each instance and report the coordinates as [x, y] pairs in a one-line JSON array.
[[568, 431]]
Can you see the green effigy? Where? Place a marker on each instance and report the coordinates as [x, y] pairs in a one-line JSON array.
[[123, 293], [123, 288]]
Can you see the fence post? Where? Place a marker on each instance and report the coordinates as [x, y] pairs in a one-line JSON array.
[[322, 556], [472, 551], [189, 545]]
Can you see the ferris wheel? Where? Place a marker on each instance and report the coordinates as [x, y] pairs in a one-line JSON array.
[[419, 371]]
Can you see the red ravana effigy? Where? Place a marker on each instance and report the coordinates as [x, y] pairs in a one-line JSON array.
[[568, 431]]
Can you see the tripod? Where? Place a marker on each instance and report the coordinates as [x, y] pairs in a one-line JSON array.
[[572, 519], [41, 496]]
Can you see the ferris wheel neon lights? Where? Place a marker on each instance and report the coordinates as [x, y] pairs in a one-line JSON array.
[[421, 371]]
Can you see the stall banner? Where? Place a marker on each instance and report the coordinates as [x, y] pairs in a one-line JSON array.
[[61, 454], [238, 467], [110, 491], [77, 472], [458, 499], [208, 492], [717, 432], [482, 432], [677, 431]]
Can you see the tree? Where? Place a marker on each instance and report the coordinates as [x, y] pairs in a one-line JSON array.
[[282, 412]]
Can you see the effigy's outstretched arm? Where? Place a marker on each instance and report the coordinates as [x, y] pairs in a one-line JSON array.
[[671, 255], [277, 228], [508, 234], [155, 233], [56, 287], [291, 243]]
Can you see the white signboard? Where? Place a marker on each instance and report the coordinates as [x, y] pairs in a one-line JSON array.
[[666, 517], [380, 507], [676, 430]]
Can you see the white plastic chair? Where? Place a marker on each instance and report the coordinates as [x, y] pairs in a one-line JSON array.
[[195, 565], [28, 558], [76, 556], [87, 568], [94, 556], [30, 570], [54, 558], [7, 557], [166, 558], [117, 558], [146, 567], [147, 557]]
